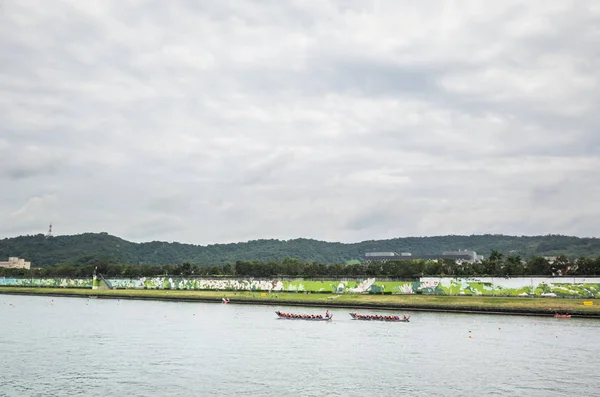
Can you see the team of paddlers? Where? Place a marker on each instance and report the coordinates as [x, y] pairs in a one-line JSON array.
[[378, 317], [303, 316]]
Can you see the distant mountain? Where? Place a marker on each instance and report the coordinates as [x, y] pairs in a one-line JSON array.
[[83, 248]]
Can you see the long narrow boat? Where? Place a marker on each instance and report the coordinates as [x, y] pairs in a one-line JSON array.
[[378, 317], [306, 317], [562, 316]]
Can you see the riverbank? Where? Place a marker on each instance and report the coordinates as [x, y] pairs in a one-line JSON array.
[[461, 304]]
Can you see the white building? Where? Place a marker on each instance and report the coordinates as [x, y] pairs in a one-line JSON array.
[[16, 263], [460, 257]]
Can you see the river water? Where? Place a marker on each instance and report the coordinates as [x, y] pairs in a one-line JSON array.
[[54, 346]]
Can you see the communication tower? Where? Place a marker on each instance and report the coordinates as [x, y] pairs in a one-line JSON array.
[[49, 234]]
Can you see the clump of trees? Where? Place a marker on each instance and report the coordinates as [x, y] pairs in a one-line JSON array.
[[496, 265]]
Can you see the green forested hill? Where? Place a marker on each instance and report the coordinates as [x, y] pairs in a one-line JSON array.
[[84, 248]]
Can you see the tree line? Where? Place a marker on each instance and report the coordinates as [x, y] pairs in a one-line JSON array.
[[496, 265], [44, 251]]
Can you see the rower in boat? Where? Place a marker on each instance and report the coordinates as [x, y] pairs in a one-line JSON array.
[[304, 316]]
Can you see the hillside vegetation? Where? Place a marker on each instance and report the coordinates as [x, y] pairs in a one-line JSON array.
[[90, 248]]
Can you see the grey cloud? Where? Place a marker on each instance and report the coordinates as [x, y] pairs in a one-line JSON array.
[[386, 215], [28, 162], [357, 76], [170, 204], [572, 191], [158, 225], [206, 121], [261, 171], [27, 171]]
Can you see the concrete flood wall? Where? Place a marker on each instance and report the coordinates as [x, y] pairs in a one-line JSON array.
[[488, 286]]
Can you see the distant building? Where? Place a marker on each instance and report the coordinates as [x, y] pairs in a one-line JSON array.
[[386, 254], [459, 256], [15, 263], [463, 256]]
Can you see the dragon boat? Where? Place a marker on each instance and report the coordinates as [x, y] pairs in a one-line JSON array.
[[307, 317], [562, 315], [378, 317]]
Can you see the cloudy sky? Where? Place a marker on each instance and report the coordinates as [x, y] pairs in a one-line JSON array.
[[223, 121]]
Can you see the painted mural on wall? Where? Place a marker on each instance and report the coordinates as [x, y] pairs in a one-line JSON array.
[[357, 286], [197, 284], [46, 282], [521, 286]]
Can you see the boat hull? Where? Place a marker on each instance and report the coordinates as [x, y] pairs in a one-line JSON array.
[[376, 317], [290, 316]]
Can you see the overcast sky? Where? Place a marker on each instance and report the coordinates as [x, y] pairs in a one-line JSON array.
[[225, 121]]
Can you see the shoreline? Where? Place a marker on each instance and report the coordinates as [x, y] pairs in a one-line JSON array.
[[422, 303]]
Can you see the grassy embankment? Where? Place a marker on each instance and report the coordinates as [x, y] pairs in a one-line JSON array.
[[408, 302]]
